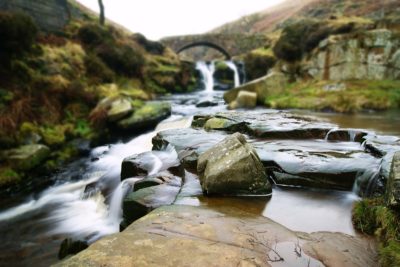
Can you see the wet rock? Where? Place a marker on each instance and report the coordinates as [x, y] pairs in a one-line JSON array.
[[147, 116], [393, 184], [244, 100], [150, 162], [158, 179], [220, 237], [137, 165], [217, 123], [206, 103], [351, 135], [139, 203], [272, 83], [317, 164], [119, 109], [232, 167], [187, 139], [28, 156], [71, 247], [271, 124]]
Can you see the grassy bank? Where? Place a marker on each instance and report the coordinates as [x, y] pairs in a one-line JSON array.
[[346, 96], [372, 217]]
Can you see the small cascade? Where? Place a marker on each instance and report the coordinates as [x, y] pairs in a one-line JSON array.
[[330, 131], [367, 181], [233, 67], [115, 208], [207, 73]]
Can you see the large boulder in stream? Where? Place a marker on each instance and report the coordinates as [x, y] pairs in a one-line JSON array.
[[244, 100], [147, 116], [182, 235], [232, 167]]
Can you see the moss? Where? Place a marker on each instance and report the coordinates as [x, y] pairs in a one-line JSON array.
[[82, 129], [97, 70], [8, 176], [136, 103], [67, 60], [371, 216], [56, 135]]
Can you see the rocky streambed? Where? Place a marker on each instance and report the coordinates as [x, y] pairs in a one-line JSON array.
[[208, 194]]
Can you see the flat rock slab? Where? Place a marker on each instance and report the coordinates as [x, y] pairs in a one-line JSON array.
[[273, 124], [197, 236]]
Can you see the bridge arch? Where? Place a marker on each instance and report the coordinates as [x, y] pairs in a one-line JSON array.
[[205, 43]]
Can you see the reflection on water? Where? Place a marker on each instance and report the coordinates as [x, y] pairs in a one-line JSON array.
[[309, 210], [387, 122], [298, 209]]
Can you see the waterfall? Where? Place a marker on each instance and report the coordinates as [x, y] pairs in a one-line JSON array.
[[87, 215], [207, 72], [233, 67]]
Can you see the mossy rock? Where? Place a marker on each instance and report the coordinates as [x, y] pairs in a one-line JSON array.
[[8, 176], [27, 157], [147, 116]]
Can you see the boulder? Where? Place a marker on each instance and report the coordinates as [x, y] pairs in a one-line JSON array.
[[182, 235], [119, 109], [206, 103], [232, 167], [138, 203], [27, 157], [272, 83], [149, 163], [244, 100], [164, 177], [147, 116], [393, 184]]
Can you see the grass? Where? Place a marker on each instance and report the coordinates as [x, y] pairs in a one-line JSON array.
[[358, 95], [372, 217]]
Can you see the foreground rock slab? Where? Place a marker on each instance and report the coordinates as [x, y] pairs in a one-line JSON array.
[[232, 167], [197, 236]]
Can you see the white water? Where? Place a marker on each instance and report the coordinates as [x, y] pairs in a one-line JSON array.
[[207, 72], [233, 67], [70, 211]]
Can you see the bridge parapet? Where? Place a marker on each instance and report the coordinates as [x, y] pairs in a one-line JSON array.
[[227, 44]]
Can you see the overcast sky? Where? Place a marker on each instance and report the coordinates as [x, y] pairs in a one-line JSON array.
[[160, 18]]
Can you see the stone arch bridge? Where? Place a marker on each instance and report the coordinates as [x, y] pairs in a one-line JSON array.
[[228, 44]]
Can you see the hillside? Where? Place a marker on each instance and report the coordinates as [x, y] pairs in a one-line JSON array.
[[276, 17], [64, 77]]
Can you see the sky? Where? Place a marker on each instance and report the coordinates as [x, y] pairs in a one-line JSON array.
[[160, 18]]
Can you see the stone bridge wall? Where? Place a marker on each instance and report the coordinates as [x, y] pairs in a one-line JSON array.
[[49, 15], [234, 44]]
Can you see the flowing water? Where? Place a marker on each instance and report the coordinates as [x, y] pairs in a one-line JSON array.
[[233, 67], [90, 207]]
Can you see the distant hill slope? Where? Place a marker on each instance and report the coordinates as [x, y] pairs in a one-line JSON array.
[[274, 18]]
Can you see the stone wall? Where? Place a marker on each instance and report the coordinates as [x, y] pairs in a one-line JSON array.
[[49, 15], [234, 44], [373, 55]]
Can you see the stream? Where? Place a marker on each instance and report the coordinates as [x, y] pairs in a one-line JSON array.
[[32, 230]]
